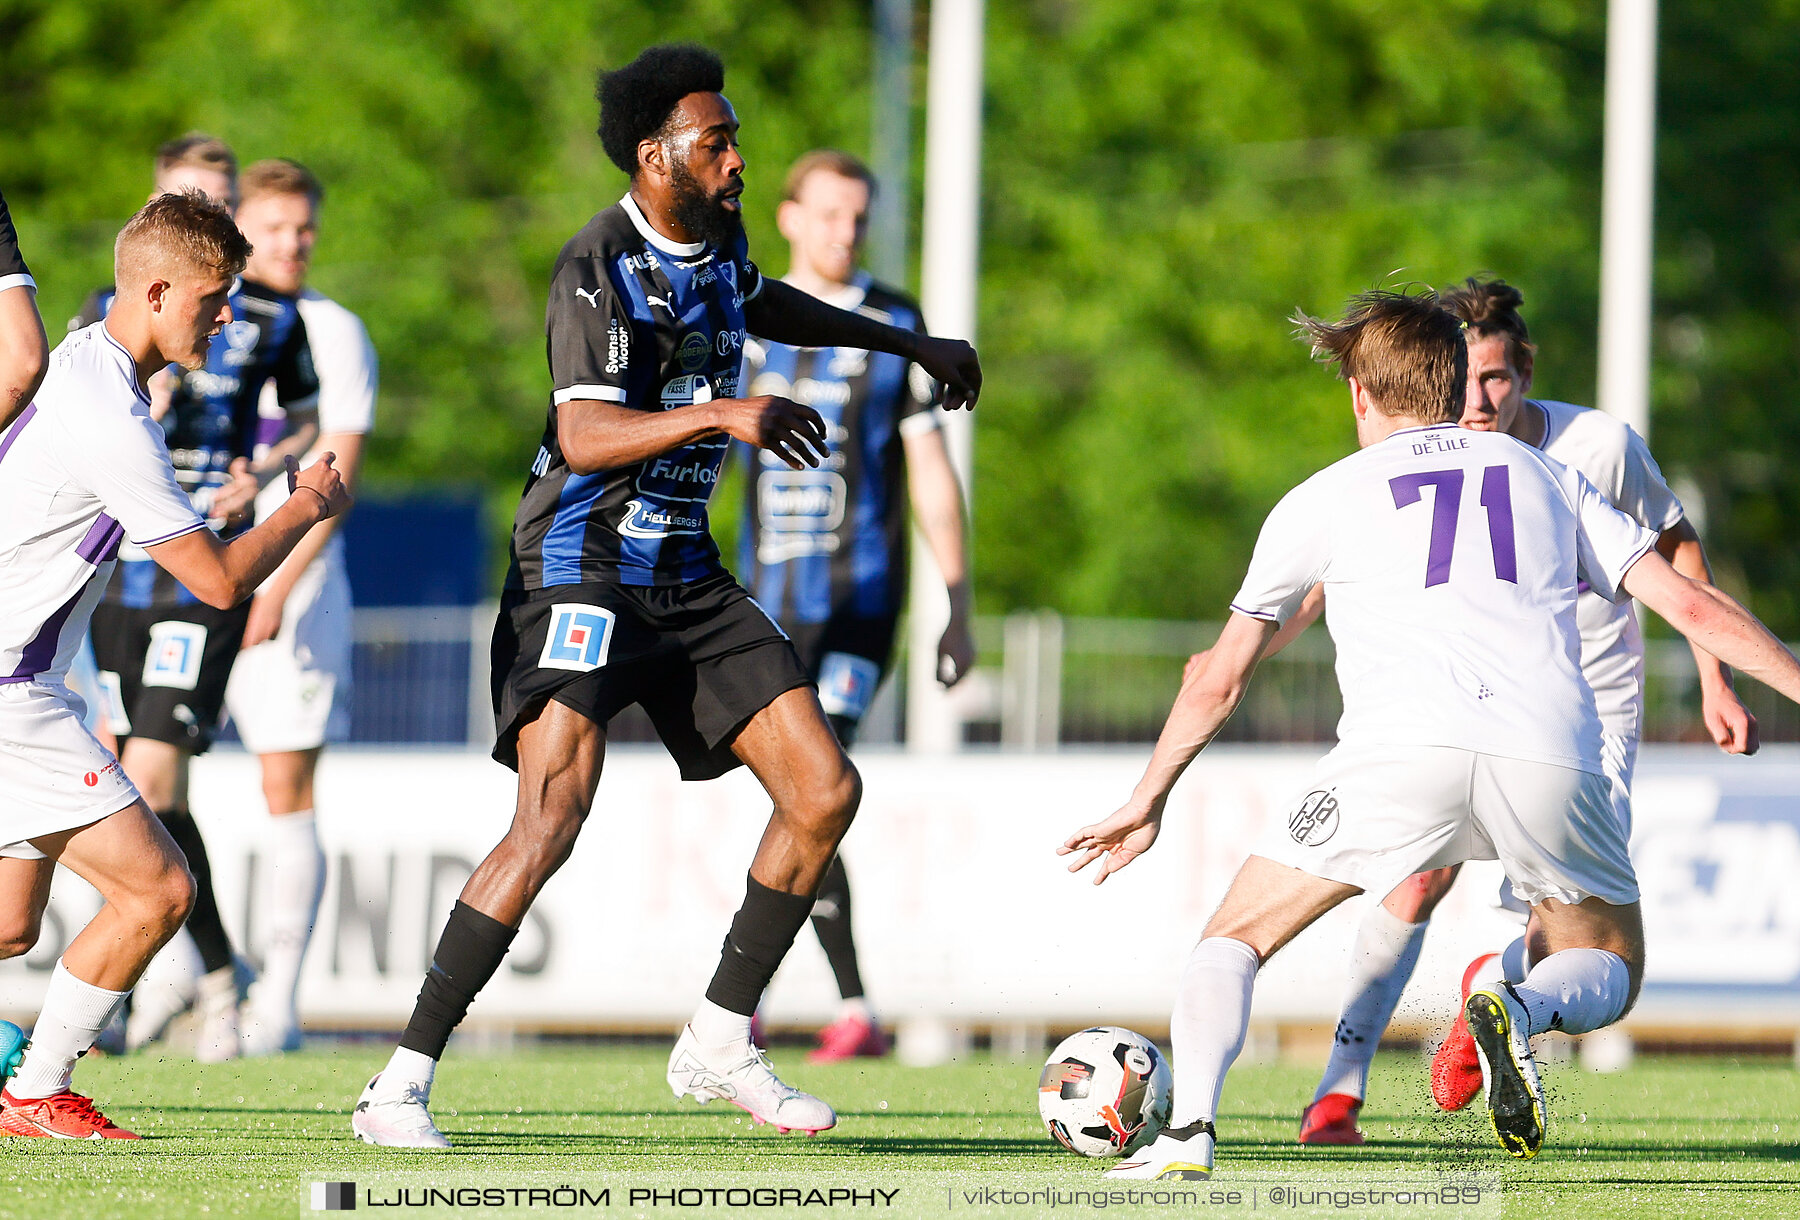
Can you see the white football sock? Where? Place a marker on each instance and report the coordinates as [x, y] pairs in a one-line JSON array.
[[1211, 1018], [1488, 972], [1381, 961], [1515, 961], [1575, 991], [716, 1026], [856, 1007], [407, 1068], [73, 1015], [296, 883]]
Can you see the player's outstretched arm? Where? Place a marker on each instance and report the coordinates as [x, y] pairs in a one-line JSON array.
[[596, 436], [787, 315], [1712, 620], [937, 505], [24, 352], [1304, 617], [1729, 722], [1209, 694], [223, 574]]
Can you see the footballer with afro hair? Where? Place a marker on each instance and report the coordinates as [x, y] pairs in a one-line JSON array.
[[638, 101], [645, 325]]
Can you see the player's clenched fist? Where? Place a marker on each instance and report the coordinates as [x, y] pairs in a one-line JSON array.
[[323, 480], [793, 433], [954, 363]]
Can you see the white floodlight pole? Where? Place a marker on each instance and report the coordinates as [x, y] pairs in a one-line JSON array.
[[948, 275], [1627, 210], [890, 144]]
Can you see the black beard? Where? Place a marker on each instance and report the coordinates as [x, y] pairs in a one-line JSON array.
[[704, 216]]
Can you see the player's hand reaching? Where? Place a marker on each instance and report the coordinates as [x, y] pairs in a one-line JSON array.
[[232, 502], [954, 363], [1122, 838], [793, 433], [322, 480], [1732, 726], [264, 620]]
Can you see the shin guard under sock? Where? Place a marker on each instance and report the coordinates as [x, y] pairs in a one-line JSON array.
[[831, 921], [761, 934], [469, 951]]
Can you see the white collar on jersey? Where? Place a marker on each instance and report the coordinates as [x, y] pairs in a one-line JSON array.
[[848, 296], [677, 248], [137, 387]]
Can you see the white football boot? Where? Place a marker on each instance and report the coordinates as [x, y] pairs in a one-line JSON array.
[[1179, 1154], [1515, 1095], [166, 990], [216, 1013], [396, 1122], [265, 1032], [740, 1073]]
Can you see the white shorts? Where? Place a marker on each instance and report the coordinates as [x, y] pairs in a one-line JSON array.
[[1375, 815], [54, 775], [293, 692], [1618, 758]]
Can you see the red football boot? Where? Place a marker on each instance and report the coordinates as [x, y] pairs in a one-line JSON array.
[[1455, 1069], [62, 1116], [1331, 1120], [849, 1037]]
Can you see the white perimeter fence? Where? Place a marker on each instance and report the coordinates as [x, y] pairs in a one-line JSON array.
[[966, 917]]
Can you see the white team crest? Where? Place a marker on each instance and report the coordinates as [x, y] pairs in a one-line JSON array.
[[174, 657], [579, 638], [240, 341]]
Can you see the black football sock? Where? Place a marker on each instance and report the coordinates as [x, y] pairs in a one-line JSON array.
[[762, 932], [468, 953], [831, 920], [203, 922]]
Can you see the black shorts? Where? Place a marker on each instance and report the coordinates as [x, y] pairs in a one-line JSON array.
[[169, 666], [848, 658], [701, 659]]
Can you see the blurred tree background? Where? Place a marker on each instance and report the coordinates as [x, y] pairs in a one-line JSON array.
[[1165, 181]]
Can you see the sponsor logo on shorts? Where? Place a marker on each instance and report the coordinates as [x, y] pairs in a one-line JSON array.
[[847, 684], [90, 779], [1316, 820], [176, 650], [579, 638]]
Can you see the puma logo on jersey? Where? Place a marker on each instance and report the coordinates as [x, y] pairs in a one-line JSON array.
[[592, 298], [665, 303]]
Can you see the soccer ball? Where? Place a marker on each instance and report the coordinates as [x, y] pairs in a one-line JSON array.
[[1105, 1091]]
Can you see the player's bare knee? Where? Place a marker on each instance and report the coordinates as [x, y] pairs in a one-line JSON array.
[[1414, 899], [831, 807], [19, 932], [164, 902]]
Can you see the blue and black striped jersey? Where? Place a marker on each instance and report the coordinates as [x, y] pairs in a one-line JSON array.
[[649, 324], [828, 543], [213, 419], [12, 263]]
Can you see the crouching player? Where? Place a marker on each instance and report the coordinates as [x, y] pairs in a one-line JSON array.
[[1452, 562], [85, 468]]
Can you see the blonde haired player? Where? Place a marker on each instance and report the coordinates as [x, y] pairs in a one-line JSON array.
[[1451, 561], [288, 693], [85, 468]]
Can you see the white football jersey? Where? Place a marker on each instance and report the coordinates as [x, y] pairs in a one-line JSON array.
[[348, 379], [81, 469], [1618, 463], [1450, 561]]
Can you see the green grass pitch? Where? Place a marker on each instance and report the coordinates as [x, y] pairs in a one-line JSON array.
[[1671, 1137]]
